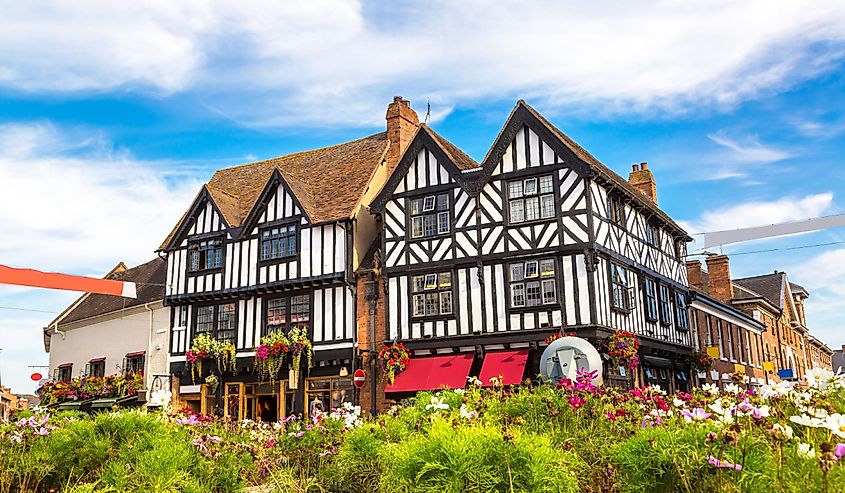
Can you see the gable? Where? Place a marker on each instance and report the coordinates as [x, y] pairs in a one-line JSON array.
[[526, 142], [425, 163], [201, 218], [276, 202]]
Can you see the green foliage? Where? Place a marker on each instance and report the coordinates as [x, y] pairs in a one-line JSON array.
[[476, 459]]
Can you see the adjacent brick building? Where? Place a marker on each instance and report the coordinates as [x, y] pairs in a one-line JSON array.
[[774, 303]]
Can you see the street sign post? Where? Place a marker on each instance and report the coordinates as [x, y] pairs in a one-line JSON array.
[[358, 378]]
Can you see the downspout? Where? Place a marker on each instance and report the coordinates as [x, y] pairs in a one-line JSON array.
[[147, 375]]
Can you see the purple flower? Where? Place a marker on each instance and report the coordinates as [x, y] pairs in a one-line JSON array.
[[42, 431], [839, 450], [696, 414], [16, 437], [723, 464], [300, 434], [190, 420], [325, 453]]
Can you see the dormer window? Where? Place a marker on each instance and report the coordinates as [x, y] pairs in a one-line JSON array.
[[430, 216], [531, 199], [205, 255], [278, 242]]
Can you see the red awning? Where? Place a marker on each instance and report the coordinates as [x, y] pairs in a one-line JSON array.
[[136, 353], [96, 360], [65, 365], [509, 365], [433, 373]]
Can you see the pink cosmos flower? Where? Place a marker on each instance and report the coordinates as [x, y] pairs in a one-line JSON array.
[[16, 437], [839, 450], [723, 464], [610, 416], [696, 414], [300, 434], [270, 443], [576, 401], [190, 420]]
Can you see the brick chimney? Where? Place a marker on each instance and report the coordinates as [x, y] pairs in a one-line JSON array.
[[643, 180], [694, 276], [719, 283], [402, 123]]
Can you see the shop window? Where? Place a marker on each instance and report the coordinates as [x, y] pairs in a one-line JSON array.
[[326, 393]]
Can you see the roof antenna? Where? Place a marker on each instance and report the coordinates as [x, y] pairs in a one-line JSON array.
[[427, 111]]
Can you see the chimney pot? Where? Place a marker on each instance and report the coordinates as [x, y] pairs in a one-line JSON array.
[[635, 167], [642, 179], [644, 165]]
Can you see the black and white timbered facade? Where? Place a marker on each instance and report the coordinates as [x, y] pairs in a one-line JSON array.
[[539, 237], [259, 251]]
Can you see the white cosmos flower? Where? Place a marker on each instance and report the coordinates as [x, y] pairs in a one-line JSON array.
[[836, 424], [467, 414], [732, 388], [160, 398], [710, 388], [460, 391], [806, 450], [805, 420], [436, 405], [785, 429], [678, 402]]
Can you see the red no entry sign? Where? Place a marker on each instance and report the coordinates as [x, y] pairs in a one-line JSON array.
[[35, 377], [358, 378]]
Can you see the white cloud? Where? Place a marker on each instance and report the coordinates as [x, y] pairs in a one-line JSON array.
[[760, 213], [74, 204], [295, 62], [823, 277], [749, 150]]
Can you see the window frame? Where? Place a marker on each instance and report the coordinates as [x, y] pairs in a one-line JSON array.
[[652, 310], [540, 278], [435, 213], [627, 301], [94, 365], [134, 364], [431, 291], [652, 234], [665, 315], [616, 210], [281, 258], [63, 372], [681, 312], [289, 323], [525, 196], [215, 320], [194, 247]]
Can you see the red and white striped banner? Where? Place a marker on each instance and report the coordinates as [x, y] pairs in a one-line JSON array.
[[53, 280]]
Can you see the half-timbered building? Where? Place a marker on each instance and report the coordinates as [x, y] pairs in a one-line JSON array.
[[273, 245], [482, 261]]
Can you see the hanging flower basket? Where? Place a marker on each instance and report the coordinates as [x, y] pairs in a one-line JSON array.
[[394, 359], [203, 347], [226, 359], [623, 348], [300, 346], [700, 361], [270, 355], [558, 335]]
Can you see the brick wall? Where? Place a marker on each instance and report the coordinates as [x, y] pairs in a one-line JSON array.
[[371, 308]]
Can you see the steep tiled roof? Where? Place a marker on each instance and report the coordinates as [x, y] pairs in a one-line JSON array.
[[769, 286], [328, 182], [459, 157], [603, 170], [149, 279]]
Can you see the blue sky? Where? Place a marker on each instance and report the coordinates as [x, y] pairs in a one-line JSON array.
[[111, 116]]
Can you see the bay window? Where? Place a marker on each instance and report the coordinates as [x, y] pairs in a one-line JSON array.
[[532, 283], [217, 321], [205, 255], [283, 314], [278, 242], [530, 199], [432, 294], [430, 216]]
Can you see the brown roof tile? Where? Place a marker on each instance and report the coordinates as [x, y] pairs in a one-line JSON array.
[[327, 182], [149, 279]]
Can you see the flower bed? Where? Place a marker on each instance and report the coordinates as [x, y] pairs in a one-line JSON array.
[[571, 436]]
